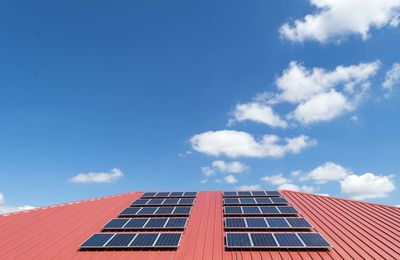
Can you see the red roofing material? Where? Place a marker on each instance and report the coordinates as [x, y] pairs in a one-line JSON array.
[[355, 229]]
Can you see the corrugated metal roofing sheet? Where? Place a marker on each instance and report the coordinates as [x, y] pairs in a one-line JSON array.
[[356, 230]]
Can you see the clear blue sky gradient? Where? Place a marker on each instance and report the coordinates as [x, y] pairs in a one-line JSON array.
[[94, 85]]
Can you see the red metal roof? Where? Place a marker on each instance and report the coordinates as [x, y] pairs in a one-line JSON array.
[[355, 229]]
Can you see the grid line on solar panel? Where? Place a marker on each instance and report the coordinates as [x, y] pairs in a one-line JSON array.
[[260, 210], [266, 223], [128, 224], [251, 194], [132, 241], [163, 202], [286, 240]]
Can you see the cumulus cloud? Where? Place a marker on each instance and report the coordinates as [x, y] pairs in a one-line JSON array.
[[225, 167], [294, 187], [334, 20], [98, 177], [327, 172], [6, 208], [231, 179], [392, 78], [241, 144], [284, 183], [367, 186], [249, 187], [257, 112], [275, 179]]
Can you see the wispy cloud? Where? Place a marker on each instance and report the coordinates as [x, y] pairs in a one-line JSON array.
[[98, 177]]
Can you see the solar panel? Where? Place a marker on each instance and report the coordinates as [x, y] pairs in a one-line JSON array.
[[277, 223], [269, 210], [231, 201], [278, 200], [273, 193], [120, 240], [232, 210], [247, 201], [275, 240], [130, 211], [144, 240], [116, 223], [230, 193], [147, 211], [163, 194], [287, 210], [149, 194], [164, 210], [186, 201], [258, 193], [251, 210], [263, 201], [190, 194], [298, 223], [171, 201], [263, 240], [176, 223], [238, 240], [168, 240], [155, 202], [176, 194], [235, 223], [140, 202], [244, 193], [288, 240], [97, 240], [313, 240], [256, 223], [136, 223], [182, 210], [156, 223]]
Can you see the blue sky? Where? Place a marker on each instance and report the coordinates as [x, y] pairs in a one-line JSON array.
[[136, 86]]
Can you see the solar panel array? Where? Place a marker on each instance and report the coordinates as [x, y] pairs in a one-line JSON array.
[[266, 211], [154, 211]]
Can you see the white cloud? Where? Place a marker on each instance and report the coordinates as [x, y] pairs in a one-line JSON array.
[[249, 187], [231, 179], [367, 186], [98, 177], [289, 186], [322, 194], [392, 78], [207, 171], [241, 144], [327, 172], [225, 167], [6, 208], [336, 19], [204, 181], [257, 112], [275, 179]]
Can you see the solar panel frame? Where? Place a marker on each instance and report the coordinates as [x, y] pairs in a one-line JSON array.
[[228, 194], [275, 223], [261, 211], [186, 201], [130, 236], [106, 237]]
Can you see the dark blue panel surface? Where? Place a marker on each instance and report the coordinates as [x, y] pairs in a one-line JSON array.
[[147, 211], [155, 202], [244, 193], [269, 210], [273, 193], [171, 201], [130, 211], [232, 210], [156, 223], [313, 240], [136, 223], [251, 210], [279, 200], [186, 201], [190, 194], [263, 240], [168, 240], [230, 193], [258, 193], [144, 240], [238, 240], [116, 223], [287, 210], [263, 201], [247, 201], [97, 240], [231, 201], [298, 222], [288, 240], [176, 222], [163, 194], [120, 240], [164, 210], [182, 210], [176, 194], [256, 222], [277, 223], [149, 194], [235, 223]]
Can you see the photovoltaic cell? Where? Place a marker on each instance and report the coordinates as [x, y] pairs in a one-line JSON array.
[[163, 194], [278, 200], [144, 240], [149, 194], [288, 240], [120, 240], [256, 223], [273, 193], [182, 210], [140, 202], [171, 201], [230, 193], [247, 201], [177, 194], [164, 210], [258, 193], [263, 201], [298, 222], [231, 201], [186, 201], [251, 210], [168, 240], [155, 202], [116, 223], [190, 194], [136, 223], [269, 210], [130, 211], [313, 240], [176, 223], [235, 223], [96, 240], [232, 210], [238, 240], [156, 223], [244, 193], [287, 210], [263, 240], [277, 223], [147, 211]]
